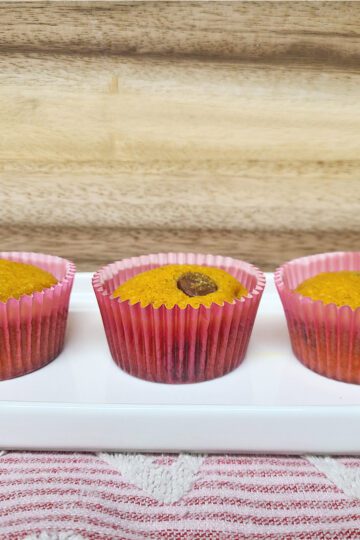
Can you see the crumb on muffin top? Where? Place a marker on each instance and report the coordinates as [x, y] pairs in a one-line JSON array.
[[181, 285], [341, 288], [18, 279]]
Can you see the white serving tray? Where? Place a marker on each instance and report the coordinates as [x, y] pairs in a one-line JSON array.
[[271, 403]]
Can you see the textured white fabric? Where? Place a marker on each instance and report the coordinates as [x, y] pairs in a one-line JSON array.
[[165, 483], [348, 480], [54, 536]]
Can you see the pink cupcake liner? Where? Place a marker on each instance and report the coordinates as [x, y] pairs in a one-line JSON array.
[[177, 345], [324, 337], [32, 328]]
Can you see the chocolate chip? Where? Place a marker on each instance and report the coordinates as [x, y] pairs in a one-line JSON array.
[[196, 284]]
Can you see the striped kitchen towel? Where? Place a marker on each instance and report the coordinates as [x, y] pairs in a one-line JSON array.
[[81, 496]]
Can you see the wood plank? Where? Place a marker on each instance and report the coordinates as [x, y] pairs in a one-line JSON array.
[[91, 248], [149, 143], [251, 197], [316, 32], [58, 109], [225, 127]]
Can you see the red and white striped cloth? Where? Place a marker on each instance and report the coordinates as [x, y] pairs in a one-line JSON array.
[[73, 496]]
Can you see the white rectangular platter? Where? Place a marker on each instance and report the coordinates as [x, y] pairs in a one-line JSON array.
[[271, 403]]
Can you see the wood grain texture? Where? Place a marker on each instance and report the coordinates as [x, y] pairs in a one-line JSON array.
[[228, 127], [318, 32], [93, 247]]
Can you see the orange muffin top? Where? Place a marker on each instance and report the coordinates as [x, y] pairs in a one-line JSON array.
[[181, 285], [341, 288], [17, 279]]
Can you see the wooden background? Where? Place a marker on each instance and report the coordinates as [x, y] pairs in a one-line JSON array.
[[222, 127]]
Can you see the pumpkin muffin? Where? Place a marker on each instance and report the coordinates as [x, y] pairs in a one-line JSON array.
[[178, 318], [181, 285], [34, 299], [17, 279], [321, 299], [341, 288]]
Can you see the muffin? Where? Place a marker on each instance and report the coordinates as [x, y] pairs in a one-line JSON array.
[[34, 300], [321, 299], [188, 319]]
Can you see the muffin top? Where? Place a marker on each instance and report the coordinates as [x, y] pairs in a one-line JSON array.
[[17, 279], [181, 285], [340, 288]]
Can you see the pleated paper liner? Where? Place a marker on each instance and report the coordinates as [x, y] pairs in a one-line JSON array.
[[32, 328], [324, 337], [177, 345]]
